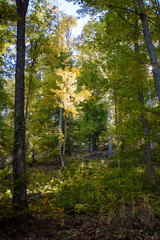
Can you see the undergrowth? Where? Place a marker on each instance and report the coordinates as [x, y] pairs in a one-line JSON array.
[[120, 198]]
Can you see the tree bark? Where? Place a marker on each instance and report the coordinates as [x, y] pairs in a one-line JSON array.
[[35, 48], [33, 52], [109, 127], [92, 142], [150, 47], [60, 137], [29, 91], [19, 200], [65, 135], [116, 123], [145, 124], [147, 141]]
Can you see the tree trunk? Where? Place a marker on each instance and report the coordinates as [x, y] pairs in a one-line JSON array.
[[19, 200], [109, 127], [150, 47], [145, 125], [60, 138], [34, 50], [116, 123], [30, 86], [92, 142], [147, 141], [65, 135], [28, 95]]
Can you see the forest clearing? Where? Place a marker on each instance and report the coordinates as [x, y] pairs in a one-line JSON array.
[[80, 120]]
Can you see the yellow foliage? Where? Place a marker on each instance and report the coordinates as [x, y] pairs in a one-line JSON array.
[[66, 93]]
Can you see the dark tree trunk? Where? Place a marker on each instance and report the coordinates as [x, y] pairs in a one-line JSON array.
[[19, 200], [92, 142], [150, 47]]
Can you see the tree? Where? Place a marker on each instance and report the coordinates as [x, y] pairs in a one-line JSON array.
[[126, 74], [46, 51], [150, 46], [40, 27], [64, 34], [144, 120], [68, 99], [93, 123], [19, 200], [7, 15], [7, 12], [126, 11]]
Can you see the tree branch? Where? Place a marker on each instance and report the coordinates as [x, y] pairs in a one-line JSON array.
[[132, 25], [124, 8]]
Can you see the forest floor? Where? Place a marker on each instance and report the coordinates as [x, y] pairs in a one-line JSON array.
[[76, 228], [82, 212]]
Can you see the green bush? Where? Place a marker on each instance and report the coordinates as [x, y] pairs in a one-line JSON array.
[[99, 188]]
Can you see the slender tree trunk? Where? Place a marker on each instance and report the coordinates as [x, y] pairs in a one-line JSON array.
[[150, 47], [150, 104], [109, 126], [116, 123], [147, 142], [29, 90], [145, 125], [19, 200], [65, 135], [92, 142], [34, 50], [60, 138]]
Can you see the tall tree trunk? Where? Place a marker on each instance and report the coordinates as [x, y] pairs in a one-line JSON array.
[[147, 141], [109, 126], [34, 51], [145, 124], [19, 200], [116, 123], [65, 135], [60, 138], [30, 82], [150, 47], [29, 90]]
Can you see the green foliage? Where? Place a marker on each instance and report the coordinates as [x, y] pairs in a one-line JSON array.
[[125, 74], [7, 11], [97, 188], [92, 187], [5, 191], [6, 125], [122, 197], [93, 123]]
